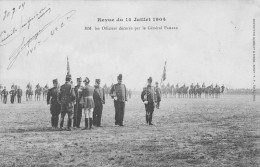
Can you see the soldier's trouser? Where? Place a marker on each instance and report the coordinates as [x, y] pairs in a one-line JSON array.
[[55, 112], [119, 112], [19, 99], [66, 109], [12, 99], [5, 99], [88, 112], [88, 117], [77, 115], [149, 108], [97, 114]]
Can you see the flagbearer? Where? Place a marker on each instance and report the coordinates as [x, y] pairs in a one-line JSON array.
[[119, 94], [148, 97], [99, 100], [77, 106], [158, 95], [52, 99]]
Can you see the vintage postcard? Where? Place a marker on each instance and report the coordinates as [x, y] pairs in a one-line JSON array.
[[129, 83]]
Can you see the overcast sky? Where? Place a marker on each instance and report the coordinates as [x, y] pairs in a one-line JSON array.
[[213, 42]]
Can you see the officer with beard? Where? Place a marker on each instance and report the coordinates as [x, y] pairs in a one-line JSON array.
[[52, 99]]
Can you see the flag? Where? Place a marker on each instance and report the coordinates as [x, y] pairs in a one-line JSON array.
[[68, 66], [164, 72]]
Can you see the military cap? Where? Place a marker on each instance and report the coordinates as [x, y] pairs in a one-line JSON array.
[[68, 76], [86, 80], [150, 79], [55, 80], [98, 81], [79, 79], [119, 77]]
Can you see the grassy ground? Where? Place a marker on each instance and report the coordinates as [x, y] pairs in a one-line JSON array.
[[187, 132]]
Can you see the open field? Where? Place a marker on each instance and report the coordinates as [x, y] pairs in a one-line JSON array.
[[187, 132]]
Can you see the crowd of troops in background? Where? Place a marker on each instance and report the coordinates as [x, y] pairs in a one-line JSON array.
[[192, 91]]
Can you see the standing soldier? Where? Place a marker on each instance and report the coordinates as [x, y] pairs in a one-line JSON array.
[[66, 98], [87, 103], [119, 94], [148, 97], [19, 94], [12, 94], [52, 99], [5, 94], [77, 107], [99, 100], [158, 95]]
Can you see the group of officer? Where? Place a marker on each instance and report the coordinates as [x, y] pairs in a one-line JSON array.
[[71, 100], [13, 93]]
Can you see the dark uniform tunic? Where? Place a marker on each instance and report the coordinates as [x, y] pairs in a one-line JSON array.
[[119, 91], [86, 99], [66, 98], [52, 99], [19, 95], [5, 94], [99, 100], [148, 94], [77, 107]]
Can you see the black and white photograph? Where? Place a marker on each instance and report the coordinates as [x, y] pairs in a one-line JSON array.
[[130, 83]]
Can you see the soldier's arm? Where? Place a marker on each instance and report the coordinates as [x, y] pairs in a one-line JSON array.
[[142, 95], [112, 91], [125, 94], [104, 97], [73, 94]]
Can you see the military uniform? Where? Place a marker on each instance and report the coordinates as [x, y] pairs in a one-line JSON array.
[[77, 107], [19, 95], [148, 96], [99, 100], [52, 99], [119, 94], [66, 98], [88, 104], [12, 94], [5, 94]]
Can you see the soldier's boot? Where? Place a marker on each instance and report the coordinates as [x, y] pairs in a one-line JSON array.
[[52, 122], [147, 118], [150, 119], [90, 123], [86, 123], [69, 123], [56, 122], [74, 122], [61, 123]]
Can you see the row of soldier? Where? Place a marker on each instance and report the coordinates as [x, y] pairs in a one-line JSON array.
[[17, 93], [14, 93], [192, 91], [89, 100]]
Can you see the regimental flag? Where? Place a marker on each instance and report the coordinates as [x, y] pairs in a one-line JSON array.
[[164, 72], [68, 66]]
